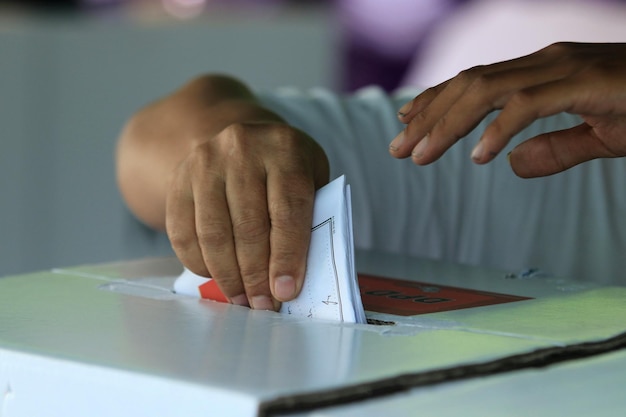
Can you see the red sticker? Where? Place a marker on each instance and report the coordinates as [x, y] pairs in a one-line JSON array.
[[409, 298], [211, 291]]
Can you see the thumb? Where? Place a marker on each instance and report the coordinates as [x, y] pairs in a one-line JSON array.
[[555, 152]]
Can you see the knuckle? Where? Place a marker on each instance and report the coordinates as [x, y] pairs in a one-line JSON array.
[[446, 129], [201, 160], [213, 236], [292, 223], [236, 131], [485, 91], [467, 77], [420, 123], [444, 126], [429, 92], [553, 154], [284, 212], [565, 54], [480, 83], [420, 118], [250, 228], [287, 140], [558, 48], [244, 142], [521, 99], [233, 142]]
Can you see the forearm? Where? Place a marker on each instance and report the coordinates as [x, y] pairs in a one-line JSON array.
[[157, 138]]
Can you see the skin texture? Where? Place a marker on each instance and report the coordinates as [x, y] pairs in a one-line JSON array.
[[233, 184], [584, 79], [230, 182]]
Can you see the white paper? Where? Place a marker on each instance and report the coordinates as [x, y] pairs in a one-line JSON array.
[[330, 289]]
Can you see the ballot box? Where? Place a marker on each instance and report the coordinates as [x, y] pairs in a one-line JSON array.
[[441, 339]]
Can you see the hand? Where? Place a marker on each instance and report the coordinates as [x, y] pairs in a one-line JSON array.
[[240, 209], [584, 79]]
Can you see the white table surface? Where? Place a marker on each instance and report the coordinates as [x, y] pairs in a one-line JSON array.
[[114, 340]]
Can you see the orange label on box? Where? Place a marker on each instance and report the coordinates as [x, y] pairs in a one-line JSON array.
[[409, 298]]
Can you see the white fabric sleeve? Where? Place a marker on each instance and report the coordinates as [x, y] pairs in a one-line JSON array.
[[571, 224]]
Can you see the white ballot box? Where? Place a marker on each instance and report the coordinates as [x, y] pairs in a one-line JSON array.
[[114, 340]]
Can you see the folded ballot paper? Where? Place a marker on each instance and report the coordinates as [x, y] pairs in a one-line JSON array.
[[331, 289]]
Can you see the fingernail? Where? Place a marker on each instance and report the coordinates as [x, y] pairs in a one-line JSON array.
[[262, 302], [284, 287], [477, 153], [396, 142], [418, 152], [508, 157], [404, 110], [240, 300]]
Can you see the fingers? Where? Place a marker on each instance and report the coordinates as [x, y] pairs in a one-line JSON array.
[[247, 202], [407, 112], [421, 114], [181, 226], [444, 122], [212, 231], [231, 218], [458, 84], [291, 212], [240, 208], [527, 105], [439, 117], [554, 152]]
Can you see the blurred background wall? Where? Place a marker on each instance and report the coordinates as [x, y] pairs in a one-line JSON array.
[[71, 75], [72, 71]]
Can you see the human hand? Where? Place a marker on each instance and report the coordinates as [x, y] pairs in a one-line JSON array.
[[584, 79], [239, 209]]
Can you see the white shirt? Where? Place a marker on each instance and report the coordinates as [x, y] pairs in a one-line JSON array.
[[571, 224]]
